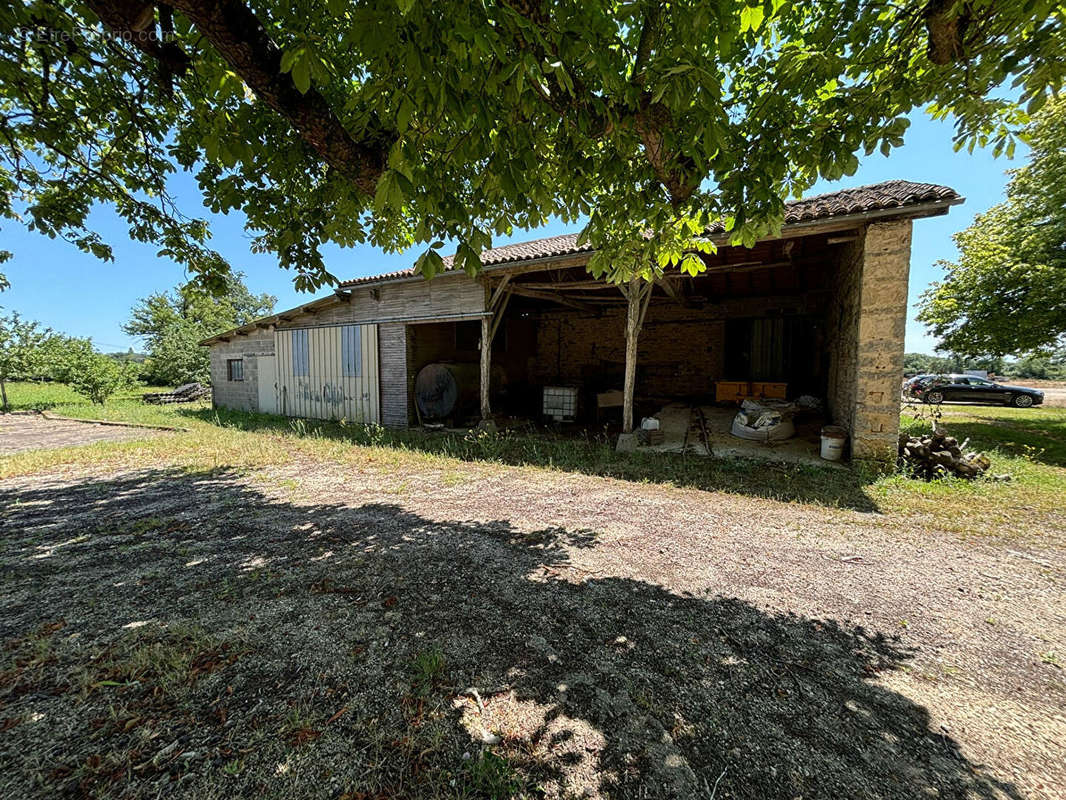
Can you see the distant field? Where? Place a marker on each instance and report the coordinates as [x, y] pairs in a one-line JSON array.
[[64, 401], [27, 396]]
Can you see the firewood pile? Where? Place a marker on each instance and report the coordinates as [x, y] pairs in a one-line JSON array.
[[186, 393], [937, 454]]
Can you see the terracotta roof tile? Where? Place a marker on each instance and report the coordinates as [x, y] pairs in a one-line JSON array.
[[844, 202]]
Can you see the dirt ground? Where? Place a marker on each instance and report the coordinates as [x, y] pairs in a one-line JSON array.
[[1054, 391], [326, 631], [20, 432], [1055, 396]]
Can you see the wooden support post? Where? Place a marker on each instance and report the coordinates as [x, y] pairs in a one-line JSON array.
[[497, 304], [486, 364], [638, 294]]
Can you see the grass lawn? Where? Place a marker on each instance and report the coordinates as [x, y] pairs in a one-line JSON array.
[[1029, 445], [262, 607]]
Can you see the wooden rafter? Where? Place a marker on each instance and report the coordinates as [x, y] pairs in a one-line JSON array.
[[498, 315], [553, 297], [490, 323], [569, 285], [671, 284], [498, 294]]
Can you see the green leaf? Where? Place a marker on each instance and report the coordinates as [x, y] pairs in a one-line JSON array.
[[301, 74], [751, 18], [289, 57]]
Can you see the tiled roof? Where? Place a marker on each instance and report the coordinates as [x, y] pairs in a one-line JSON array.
[[863, 199], [845, 202]]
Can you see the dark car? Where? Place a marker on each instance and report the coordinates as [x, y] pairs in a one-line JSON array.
[[970, 389]]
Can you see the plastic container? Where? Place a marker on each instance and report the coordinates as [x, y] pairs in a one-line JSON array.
[[560, 403], [833, 440]]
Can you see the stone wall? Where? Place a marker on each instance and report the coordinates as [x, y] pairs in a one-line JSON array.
[[882, 329], [867, 323], [241, 395]]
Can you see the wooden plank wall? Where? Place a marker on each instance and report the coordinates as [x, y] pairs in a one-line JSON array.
[[445, 295], [392, 342]]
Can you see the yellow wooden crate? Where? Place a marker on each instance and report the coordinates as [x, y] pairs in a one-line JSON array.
[[731, 391], [769, 389]]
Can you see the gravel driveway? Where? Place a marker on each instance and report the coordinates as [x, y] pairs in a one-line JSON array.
[[326, 631], [20, 432]]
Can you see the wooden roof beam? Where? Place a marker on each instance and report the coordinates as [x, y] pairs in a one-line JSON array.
[[568, 285], [671, 284], [552, 297]]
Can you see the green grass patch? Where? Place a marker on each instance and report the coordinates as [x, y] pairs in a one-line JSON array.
[[33, 396], [1029, 445], [427, 671], [60, 399]]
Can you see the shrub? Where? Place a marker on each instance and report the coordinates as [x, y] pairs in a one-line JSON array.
[[92, 375]]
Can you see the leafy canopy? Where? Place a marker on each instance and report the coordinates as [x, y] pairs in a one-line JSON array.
[[174, 323], [407, 121], [1006, 293], [95, 376], [23, 351]]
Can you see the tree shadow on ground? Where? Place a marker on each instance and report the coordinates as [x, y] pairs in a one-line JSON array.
[[335, 650], [832, 486]]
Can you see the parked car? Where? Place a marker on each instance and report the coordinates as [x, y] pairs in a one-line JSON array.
[[970, 389]]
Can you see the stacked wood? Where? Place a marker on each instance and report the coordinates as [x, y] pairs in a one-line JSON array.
[[937, 454], [186, 393]]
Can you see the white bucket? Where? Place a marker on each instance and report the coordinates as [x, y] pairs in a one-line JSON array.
[[833, 439]]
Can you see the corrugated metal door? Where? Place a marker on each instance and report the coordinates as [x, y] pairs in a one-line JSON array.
[[329, 372]]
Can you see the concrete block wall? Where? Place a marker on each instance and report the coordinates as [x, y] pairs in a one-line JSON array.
[[241, 395]]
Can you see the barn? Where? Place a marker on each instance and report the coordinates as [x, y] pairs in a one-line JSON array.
[[817, 311]]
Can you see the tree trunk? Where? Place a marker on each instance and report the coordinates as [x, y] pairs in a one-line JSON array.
[[3, 391], [486, 365]]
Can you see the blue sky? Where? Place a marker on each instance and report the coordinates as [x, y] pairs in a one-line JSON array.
[[72, 292]]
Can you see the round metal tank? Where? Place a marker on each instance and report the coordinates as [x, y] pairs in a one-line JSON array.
[[441, 390]]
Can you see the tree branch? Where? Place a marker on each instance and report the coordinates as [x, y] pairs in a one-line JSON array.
[[244, 44]]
